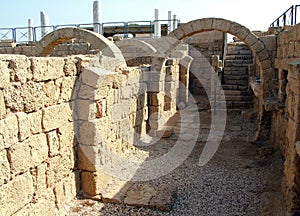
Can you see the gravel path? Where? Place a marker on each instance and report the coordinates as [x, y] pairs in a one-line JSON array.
[[230, 184]]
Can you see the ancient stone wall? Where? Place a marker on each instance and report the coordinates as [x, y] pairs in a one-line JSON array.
[[285, 128], [38, 171], [51, 107]]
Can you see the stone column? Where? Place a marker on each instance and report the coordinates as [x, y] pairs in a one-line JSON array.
[[170, 22], [175, 24], [97, 16], [30, 32], [157, 27], [44, 24], [184, 68]]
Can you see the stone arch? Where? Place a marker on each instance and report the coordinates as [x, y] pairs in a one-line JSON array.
[[146, 47], [107, 48], [133, 50], [256, 45]]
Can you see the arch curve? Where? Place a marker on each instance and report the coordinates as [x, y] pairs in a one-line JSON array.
[[146, 47], [107, 48], [256, 45]]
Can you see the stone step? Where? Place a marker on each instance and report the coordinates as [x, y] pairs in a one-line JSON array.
[[238, 63], [238, 57], [234, 87], [235, 92], [235, 77], [238, 98], [236, 69], [239, 104], [236, 82]]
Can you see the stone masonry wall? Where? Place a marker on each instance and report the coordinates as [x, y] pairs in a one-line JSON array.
[[38, 171], [125, 107], [285, 127], [51, 116]]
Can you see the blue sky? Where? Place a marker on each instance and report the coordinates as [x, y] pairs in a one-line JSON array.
[[254, 14]]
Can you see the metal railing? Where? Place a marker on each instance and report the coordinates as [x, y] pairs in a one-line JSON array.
[[289, 17], [28, 34]]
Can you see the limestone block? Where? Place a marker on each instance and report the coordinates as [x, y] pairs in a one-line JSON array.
[[67, 139], [2, 106], [29, 153], [71, 186], [89, 158], [45, 69], [24, 126], [52, 92], [85, 110], [8, 132], [221, 24], [67, 89], [35, 119], [16, 194], [58, 168], [20, 69], [43, 206], [41, 181], [70, 67], [56, 116], [4, 168], [126, 92], [93, 76], [93, 183], [89, 132], [64, 191], [26, 97], [5, 74], [53, 143]]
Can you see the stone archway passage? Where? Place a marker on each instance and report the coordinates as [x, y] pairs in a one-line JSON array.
[[106, 48], [256, 45]]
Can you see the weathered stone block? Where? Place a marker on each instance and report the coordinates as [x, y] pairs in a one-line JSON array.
[[43, 206], [26, 97], [2, 106], [70, 67], [35, 119], [29, 153], [8, 131], [56, 116], [93, 183], [4, 167], [5, 74], [89, 158], [16, 194], [67, 139], [67, 89], [45, 69], [24, 126], [53, 143], [20, 69]]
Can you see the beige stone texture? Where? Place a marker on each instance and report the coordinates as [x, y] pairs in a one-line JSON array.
[[35, 119], [94, 183], [5, 74], [53, 143], [70, 67], [56, 116], [45, 69], [4, 167], [2, 105], [24, 126], [29, 153], [8, 132], [16, 194]]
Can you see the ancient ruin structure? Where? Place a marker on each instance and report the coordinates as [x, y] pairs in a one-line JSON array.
[[65, 97]]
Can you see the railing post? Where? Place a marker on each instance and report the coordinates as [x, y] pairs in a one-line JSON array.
[[14, 34], [292, 15]]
